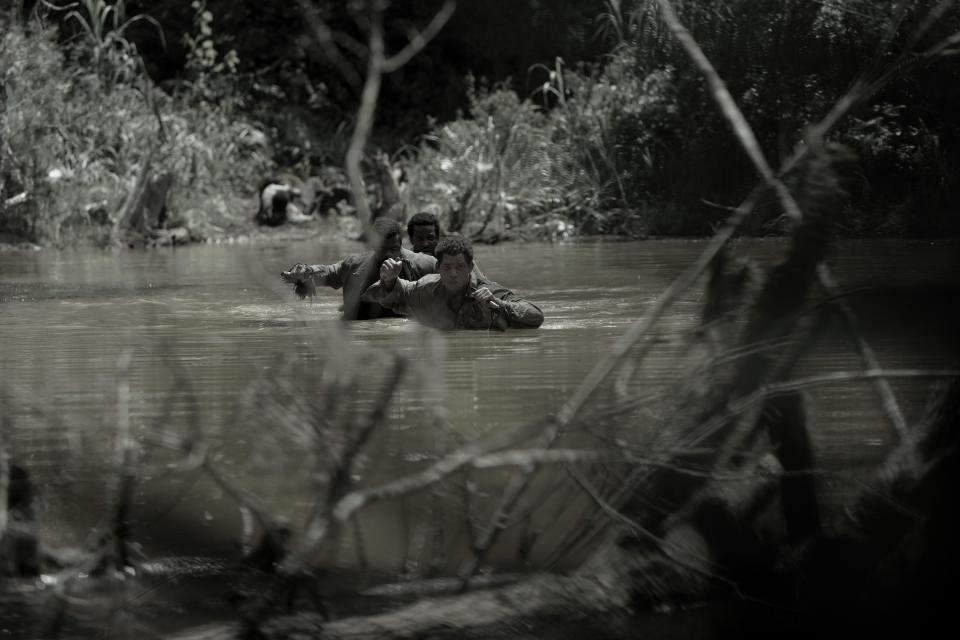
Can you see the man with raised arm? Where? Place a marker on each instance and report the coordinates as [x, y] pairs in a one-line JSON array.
[[356, 272], [455, 297]]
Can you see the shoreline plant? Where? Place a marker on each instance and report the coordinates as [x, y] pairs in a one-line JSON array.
[[79, 121]]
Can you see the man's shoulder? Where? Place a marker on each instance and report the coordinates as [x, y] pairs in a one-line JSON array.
[[484, 281], [429, 280], [354, 259], [413, 256], [422, 261]]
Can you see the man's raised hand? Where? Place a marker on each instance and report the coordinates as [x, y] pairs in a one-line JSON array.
[[389, 272]]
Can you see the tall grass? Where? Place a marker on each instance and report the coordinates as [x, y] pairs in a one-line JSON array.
[[78, 121], [584, 155], [104, 26]]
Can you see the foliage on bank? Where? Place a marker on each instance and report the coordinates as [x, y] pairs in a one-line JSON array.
[[628, 145], [80, 121], [635, 145]]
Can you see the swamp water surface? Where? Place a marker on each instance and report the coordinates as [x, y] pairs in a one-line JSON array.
[[221, 313]]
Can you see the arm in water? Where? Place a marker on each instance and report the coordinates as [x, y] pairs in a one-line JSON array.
[[510, 309], [306, 278]]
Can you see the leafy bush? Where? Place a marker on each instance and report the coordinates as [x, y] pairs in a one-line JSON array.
[[592, 155], [478, 170], [74, 144]]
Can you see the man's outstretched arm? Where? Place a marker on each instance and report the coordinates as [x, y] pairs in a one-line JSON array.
[[511, 310], [305, 278]]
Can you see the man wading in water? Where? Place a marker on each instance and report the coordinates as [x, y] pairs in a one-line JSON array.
[[358, 271], [455, 297], [423, 229]]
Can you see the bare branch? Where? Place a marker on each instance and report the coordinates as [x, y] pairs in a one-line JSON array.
[[614, 514], [5, 422], [364, 123], [421, 39], [749, 142], [438, 586], [893, 26], [470, 457], [791, 386], [729, 108], [319, 524], [943, 47], [931, 19], [887, 399], [351, 44], [240, 495], [640, 330], [327, 41], [125, 465], [377, 65]]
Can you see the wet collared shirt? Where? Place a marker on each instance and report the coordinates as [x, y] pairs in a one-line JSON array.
[[358, 271], [426, 301]]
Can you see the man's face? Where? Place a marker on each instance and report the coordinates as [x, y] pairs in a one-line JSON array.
[[454, 272], [390, 248], [424, 238]]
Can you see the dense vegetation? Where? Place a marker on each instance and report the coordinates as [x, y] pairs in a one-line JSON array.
[[518, 118]]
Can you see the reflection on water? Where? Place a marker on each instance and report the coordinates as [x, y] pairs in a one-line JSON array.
[[221, 314]]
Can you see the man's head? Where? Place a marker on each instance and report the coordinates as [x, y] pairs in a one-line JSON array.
[[454, 262], [424, 232], [385, 238]]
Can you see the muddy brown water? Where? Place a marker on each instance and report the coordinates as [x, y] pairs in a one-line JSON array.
[[221, 313]]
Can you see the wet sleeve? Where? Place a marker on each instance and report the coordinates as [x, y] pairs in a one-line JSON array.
[[418, 266], [397, 299], [329, 275], [515, 311]]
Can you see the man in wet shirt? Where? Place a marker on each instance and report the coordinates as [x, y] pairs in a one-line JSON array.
[[455, 297], [356, 272]]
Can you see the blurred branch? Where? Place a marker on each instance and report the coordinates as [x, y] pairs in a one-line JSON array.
[[327, 41], [5, 423], [764, 392], [351, 44], [125, 465], [364, 121], [379, 64], [747, 139], [729, 108], [196, 450], [932, 18], [470, 457], [421, 39], [502, 514], [893, 26], [320, 523], [438, 586]]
